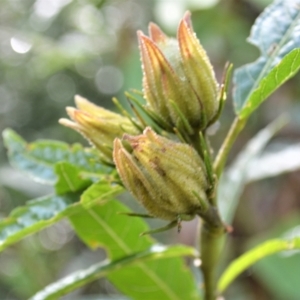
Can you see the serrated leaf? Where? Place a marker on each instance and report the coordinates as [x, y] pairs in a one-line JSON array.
[[69, 178], [36, 215], [275, 33], [38, 159], [233, 181], [274, 163], [82, 277], [286, 69], [249, 258], [104, 226], [42, 212]]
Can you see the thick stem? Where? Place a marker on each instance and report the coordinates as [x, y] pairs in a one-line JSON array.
[[212, 239], [212, 234], [236, 127]]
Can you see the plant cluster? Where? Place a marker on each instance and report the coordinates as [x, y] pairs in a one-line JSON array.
[[160, 152]]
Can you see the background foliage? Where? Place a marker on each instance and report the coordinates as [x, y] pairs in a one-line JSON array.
[[53, 49]]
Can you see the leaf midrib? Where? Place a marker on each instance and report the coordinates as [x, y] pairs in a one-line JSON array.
[[271, 59], [170, 294]]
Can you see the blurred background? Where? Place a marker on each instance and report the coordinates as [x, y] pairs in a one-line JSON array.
[[51, 50]]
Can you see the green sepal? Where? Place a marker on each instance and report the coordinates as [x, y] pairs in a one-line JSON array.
[[223, 91], [183, 119], [149, 113], [161, 229], [126, 114], [133, 214], [207, 159]]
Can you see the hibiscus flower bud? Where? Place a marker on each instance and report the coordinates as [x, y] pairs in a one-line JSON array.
[[168, 178], [100, 126], [178, 79]]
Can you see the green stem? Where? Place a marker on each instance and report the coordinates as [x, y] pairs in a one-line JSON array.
[[195, 141], [211, 243], [211, 246], [236, 127]]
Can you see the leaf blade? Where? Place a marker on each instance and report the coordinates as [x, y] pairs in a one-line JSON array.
[[286, 69], [69, 178], [35, 216], [252, 256], [104, 226], [37, 160], [82, 277], [275, 33]]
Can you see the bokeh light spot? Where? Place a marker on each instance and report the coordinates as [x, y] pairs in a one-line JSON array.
[[19, 45], [61, 88], [109, 80]]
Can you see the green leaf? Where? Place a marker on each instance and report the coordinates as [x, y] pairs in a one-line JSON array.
[[42, 212], [274, 163], [69, 178], [38, 159], [82, 277], [269, 271], [286, 69], [99, 191], [249, 258], [104, 226], [36, 215], [233, 181], [275, 33]]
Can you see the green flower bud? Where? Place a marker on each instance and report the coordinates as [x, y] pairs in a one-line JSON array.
[[168, 178], [179, 81], [98, 125]]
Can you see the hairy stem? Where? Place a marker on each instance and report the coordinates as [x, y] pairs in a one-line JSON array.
[[236, 127]]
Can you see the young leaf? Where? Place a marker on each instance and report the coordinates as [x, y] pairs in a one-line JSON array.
[[104, 226], [69, 178], [99, 191], [249, 258], [232, 183], [275, 33], [82, 277], [38, 159], [36, 215]]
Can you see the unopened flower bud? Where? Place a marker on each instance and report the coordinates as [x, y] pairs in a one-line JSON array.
[[168, 178], [178, 80], [100, 126]]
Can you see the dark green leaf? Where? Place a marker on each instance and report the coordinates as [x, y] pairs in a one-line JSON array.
[[104, 226], [36, 215], [82, 277], [275, 33], [38, 159], [249, 258]]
